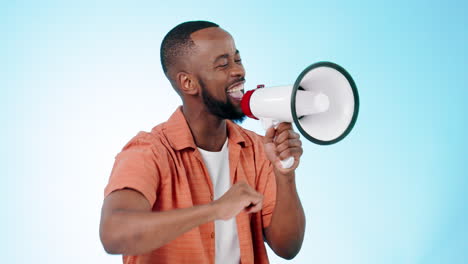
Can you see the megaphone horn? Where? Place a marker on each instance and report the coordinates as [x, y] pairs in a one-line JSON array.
[[323, 103]]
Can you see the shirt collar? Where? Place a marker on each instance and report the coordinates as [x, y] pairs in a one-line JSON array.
[[178, 133]]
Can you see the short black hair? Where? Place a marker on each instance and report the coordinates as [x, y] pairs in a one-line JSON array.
[[177, 42]]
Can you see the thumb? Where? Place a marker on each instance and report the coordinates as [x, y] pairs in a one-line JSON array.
[[269, 135]]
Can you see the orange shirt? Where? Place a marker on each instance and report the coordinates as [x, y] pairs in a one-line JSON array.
[[167, 168]]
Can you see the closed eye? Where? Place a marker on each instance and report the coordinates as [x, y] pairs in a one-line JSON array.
[[221, 66]]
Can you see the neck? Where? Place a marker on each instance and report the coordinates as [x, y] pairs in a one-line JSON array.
[[209, 131]]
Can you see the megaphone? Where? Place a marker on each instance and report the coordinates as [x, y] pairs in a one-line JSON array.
[[323, 103]]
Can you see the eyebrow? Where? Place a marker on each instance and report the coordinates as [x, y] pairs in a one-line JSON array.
[[225, 56]]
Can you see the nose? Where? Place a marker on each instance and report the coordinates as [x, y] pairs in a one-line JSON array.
[[237, 70]]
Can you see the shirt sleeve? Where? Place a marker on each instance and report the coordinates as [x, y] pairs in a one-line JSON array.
[[136, 168]]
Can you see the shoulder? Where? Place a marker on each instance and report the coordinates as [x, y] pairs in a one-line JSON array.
[[153, 141]]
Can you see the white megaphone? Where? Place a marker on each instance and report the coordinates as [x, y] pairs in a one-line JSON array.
[[323, 103]]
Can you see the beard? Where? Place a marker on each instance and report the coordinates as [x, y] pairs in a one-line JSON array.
[[221, 109]]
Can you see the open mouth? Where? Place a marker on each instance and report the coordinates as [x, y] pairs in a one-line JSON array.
[[236, 91]]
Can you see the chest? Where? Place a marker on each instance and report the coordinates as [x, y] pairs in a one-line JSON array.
[[187, 181]]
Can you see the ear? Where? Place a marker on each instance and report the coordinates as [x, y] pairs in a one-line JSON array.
[[187, 83]]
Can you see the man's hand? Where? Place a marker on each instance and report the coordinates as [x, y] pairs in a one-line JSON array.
[[281, 143], [239, 197]]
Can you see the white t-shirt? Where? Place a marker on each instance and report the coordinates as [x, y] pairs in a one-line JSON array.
[[227, 249]]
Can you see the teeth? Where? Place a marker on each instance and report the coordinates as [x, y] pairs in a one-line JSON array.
[[236, 88]]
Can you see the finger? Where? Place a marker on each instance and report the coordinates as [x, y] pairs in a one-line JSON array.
[[293, 134], [290, 143], [284, 154], [255, 207], [252, 195], [284, 126], [288, 134], [269, 135], [294, 152], [281, 136]]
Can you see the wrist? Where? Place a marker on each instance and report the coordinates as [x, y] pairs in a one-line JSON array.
[[285, 176], [214, 210]]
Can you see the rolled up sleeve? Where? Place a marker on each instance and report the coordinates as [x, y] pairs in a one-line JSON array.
[[135, 167]]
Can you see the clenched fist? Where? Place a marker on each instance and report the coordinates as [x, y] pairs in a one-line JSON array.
[[282, 143]]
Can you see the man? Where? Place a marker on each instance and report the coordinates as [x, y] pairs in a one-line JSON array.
[[199, 188]]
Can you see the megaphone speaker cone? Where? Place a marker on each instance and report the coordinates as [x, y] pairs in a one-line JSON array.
[[335, 99]]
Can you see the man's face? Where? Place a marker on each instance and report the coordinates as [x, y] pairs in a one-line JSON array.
[[217, 64]]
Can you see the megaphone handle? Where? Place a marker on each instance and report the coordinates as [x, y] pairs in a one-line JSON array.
[[267, 123]]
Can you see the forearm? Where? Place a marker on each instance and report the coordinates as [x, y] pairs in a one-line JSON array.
[[286, 231], [135, 232]]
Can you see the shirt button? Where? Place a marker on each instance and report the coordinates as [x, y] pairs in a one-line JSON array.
[[212, 234]]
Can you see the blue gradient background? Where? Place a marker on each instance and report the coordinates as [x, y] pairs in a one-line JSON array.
[[79, 79]]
